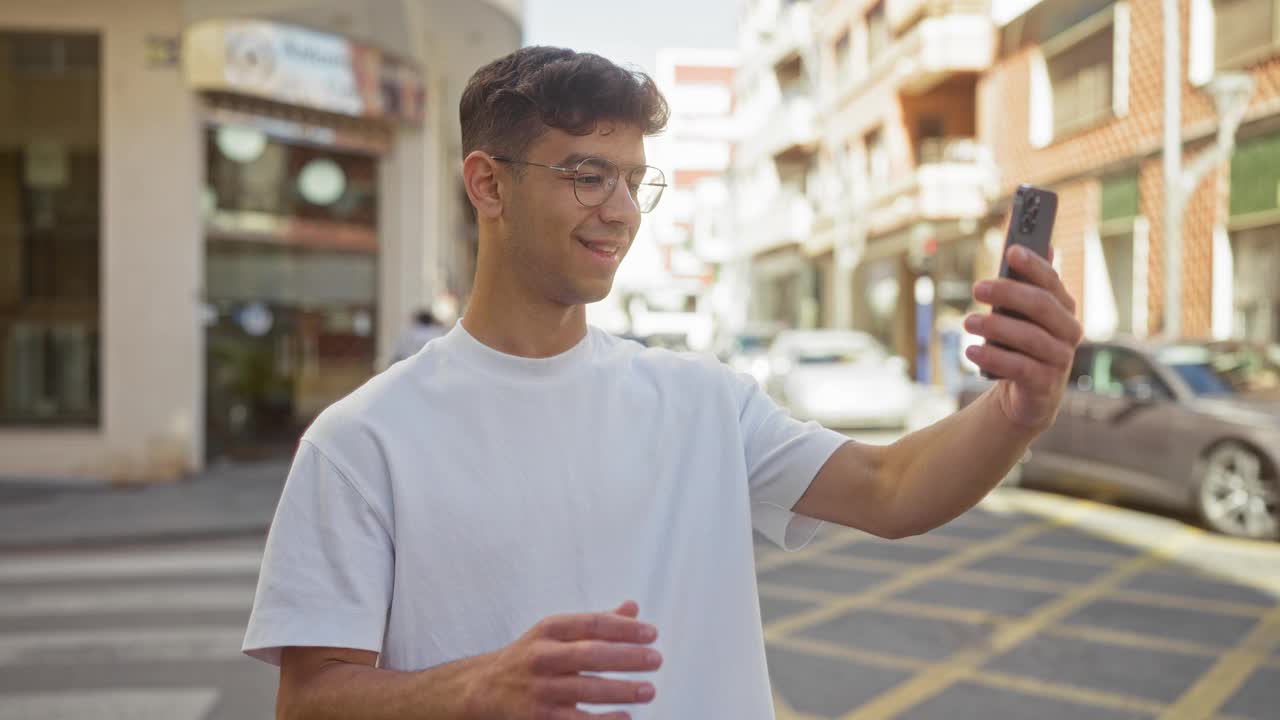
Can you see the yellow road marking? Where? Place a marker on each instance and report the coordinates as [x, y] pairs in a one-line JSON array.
[[1070, 693], [890, 586], [866, 657], [967, 616], [1183, 602], [796, 593], [1011, 582], [1108, 636], [1088, 557], [963, 665], [860, 563], [1216, 687]]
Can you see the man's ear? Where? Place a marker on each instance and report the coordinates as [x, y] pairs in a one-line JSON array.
[[480, 177]]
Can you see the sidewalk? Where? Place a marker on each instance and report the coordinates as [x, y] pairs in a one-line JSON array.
[[228, 500]]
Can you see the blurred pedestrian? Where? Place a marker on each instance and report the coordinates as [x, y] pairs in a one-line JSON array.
[[425, 328], [531, 514]]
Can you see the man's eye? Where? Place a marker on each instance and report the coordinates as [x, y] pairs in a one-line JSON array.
[[591, 179]]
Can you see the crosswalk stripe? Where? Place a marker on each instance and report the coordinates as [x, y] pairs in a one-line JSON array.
[[80, 601], [135, 704], [134, 645], [95, 567]]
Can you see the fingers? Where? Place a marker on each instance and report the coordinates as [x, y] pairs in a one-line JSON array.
[[1024, 337], [1036, 303], [1039, 271], [1014, 366], [594, 690], [558, 658], [618, 626]]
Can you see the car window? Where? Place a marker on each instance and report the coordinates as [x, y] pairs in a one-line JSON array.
[[1114, 368], [1206, 370]]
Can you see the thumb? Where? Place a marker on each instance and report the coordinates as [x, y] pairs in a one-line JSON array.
[[628, 609]]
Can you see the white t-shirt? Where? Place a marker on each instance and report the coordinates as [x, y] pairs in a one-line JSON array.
[[453, 501]]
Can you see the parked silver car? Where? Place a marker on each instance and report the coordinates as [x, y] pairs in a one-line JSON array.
[[842, 378], [1193, 426]]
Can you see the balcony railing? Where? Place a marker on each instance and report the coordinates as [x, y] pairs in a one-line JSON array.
[[954, 178], [958, 39]]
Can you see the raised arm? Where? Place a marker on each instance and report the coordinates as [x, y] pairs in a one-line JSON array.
[[929, 477]]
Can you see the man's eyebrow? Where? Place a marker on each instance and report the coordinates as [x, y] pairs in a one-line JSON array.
[[572, 159]]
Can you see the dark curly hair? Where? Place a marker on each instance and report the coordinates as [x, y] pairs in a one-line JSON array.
[[510, 102]]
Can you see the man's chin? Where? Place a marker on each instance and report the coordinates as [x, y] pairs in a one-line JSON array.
[[588, 293]]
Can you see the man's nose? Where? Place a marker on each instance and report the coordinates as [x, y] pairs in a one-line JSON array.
[[621, 207]]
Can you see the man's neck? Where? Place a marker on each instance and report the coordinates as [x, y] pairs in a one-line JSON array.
[[516, 326]]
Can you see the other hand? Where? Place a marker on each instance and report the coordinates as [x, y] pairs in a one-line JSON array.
[[540, 675]]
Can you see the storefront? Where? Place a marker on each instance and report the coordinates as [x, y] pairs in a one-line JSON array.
[[911, 290], [211, 229], [296, 124]]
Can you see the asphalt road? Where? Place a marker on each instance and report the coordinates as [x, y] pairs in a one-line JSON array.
[[1031, 606]]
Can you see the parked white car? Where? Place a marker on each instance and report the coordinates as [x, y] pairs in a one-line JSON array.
[[841, 378]]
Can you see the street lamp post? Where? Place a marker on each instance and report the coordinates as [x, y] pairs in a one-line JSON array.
[[1231, 93]]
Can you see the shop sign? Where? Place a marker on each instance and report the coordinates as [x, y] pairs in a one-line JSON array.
[[301, 67]]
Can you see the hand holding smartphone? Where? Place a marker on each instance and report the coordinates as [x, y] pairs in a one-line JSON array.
[[1031, 225]]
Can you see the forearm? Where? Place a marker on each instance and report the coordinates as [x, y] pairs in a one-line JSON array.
[[350, 691], [943, 470]]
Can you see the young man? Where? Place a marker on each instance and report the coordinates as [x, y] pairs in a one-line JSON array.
[[453, 535]]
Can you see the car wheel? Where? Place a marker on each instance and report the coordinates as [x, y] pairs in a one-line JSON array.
[[1235, 496]]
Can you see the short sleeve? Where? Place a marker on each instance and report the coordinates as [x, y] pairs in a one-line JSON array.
[[783, 456], [327, 571]]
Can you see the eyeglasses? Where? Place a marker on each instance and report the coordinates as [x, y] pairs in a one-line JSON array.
[[594, 180]]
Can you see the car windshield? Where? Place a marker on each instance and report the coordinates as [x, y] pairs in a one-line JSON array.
[[1248, 368], [1223, 369], [1202, 379]]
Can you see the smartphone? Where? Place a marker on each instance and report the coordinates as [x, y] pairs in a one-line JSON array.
[[1031, 225]]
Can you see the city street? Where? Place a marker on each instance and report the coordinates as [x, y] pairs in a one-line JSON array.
[[1032, 606]]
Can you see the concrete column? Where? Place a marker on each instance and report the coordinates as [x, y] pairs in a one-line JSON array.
[[151, 249], [406, 242]]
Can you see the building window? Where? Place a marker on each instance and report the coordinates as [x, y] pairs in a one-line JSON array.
[[1244, 30], [879, 35], [50, 182], [1118, 216], [1081, 77]]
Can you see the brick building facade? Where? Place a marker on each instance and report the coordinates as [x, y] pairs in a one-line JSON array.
[[1058, 51]]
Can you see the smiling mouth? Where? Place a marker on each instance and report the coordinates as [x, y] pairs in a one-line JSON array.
[[608, 250]]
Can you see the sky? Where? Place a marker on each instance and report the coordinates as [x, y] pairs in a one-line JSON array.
[[631, 33]]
